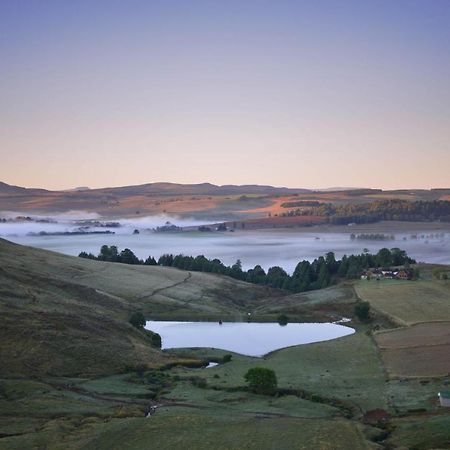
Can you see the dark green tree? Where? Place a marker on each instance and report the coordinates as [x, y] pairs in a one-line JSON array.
[[137, 319], [282, 319], [384, 258], [362, 310], [323, 279], [108, 253], [236, 270], [276, 276], [256, 275], [150, 261], [261, 380], [128, 257], [165, 260]]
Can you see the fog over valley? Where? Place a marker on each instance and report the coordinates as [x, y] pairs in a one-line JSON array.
[[282, 247]]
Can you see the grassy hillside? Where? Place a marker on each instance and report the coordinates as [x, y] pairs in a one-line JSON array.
[[78, 309], [54, 325]]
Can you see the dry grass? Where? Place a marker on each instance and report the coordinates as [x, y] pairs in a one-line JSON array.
[[418, 351], [64, 315], [408, 302]]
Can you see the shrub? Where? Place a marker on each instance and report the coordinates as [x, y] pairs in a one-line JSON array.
[[227, 358], [137, 319], [261, 380], [156, 340], [283, 319], [362, 310]]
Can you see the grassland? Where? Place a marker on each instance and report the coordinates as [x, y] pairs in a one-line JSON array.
[[75, 375], [423, 309], [407, 303]]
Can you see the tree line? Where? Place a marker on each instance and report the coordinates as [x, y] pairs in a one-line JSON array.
[[394, 209], [321, 273]]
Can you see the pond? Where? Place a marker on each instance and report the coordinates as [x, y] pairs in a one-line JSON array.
[[250, 339]]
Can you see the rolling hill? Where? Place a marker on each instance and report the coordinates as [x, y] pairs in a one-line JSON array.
[[64, 315]]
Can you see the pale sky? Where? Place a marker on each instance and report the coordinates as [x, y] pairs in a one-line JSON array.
[[288, 93]]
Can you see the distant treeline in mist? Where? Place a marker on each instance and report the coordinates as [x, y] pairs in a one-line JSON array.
[[322, 272], [395, 209]]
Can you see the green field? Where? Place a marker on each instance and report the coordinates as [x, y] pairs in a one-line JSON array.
[[408, 302]]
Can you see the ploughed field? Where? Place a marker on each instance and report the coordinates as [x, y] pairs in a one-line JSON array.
[[420, 350], [76, 375], [422, 345]]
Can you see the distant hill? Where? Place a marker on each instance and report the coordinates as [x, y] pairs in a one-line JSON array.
[[199, 189], [204, 201], [150, 199], [8, 189]]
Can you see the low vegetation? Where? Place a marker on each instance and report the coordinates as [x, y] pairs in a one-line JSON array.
[[261, 380]]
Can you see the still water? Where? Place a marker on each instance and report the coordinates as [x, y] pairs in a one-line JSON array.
[[251, 339]]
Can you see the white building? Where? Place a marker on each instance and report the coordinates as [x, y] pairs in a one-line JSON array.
[[444, 398]]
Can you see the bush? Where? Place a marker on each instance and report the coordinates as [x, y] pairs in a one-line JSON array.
[[227, 358], [283, 319], [362, 310], [137, 319], [156, 340], [261, 380]]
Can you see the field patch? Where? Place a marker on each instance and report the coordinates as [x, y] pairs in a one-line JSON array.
[[419, 350], [408, 302]]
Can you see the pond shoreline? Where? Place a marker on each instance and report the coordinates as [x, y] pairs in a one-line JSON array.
[[255, 339]]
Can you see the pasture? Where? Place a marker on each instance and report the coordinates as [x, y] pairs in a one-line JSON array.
[[407, 302]]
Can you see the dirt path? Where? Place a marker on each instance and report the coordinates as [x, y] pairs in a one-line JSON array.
[[157, 291]]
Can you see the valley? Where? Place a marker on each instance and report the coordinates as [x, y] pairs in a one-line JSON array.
[[75, 374]]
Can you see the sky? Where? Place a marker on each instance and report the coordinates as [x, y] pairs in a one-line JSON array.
[[308, 94]]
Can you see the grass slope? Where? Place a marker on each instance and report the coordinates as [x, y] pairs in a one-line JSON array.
[[407, 302]]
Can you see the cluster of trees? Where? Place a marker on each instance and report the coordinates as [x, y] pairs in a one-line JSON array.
[[111, 254], [322, 272], [395, 209], [299, 203], [373, 237]]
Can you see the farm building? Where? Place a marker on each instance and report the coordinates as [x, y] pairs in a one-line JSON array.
[[444, 398]]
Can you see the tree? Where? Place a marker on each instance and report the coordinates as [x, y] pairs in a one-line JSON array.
[[150, 261], [362, 310], [256, 275], [165, 260], [137, 319], [324, 276], [108, 253], [276, 276], [128, 257], [283, 319], [384, 257], [236, 270], [261, 380]]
